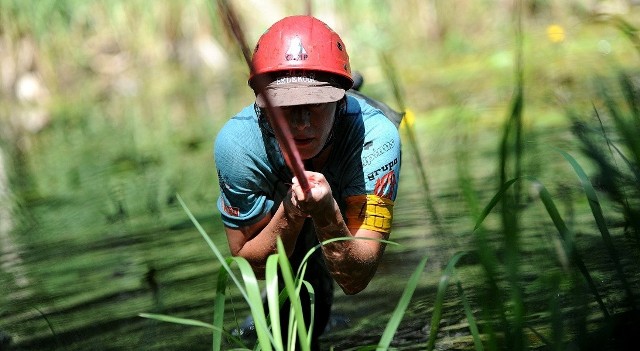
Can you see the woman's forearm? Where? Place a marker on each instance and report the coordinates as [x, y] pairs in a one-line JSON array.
[[352, 263], [285, 223]]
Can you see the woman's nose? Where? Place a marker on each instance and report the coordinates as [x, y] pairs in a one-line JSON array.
[[301, 119]]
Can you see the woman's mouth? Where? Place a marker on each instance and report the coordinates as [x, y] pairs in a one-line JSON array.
[[303, 141]]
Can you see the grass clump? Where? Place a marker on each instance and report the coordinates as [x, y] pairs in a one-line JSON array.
[[267, 322]]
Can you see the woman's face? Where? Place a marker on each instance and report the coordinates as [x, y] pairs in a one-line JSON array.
[[310, 126]]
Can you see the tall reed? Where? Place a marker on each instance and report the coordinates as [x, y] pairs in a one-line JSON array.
[[504, 314]]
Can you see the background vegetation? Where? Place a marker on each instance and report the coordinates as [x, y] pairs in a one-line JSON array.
[[109, 108]]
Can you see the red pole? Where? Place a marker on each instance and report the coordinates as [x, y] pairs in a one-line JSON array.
[[276, 118]]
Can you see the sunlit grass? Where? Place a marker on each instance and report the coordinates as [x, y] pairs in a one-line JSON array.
[[502, 320], [128, 103], [267, 323]]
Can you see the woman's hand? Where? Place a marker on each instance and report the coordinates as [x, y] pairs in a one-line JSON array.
[[317, 198]]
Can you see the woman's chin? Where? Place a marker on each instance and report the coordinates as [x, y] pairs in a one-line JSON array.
[[307, 152]]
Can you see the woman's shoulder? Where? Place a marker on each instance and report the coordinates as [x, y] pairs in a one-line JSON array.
[[240, 132], [371, 109]]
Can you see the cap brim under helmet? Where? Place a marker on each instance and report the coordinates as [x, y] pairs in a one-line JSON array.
[[300, 90]]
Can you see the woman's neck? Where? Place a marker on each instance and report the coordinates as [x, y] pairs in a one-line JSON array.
[[316, 163]]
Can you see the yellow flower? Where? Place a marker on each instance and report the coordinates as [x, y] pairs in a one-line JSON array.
[[409, 118], [555, 33]]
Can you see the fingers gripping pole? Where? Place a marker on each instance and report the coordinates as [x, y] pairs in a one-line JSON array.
[[276, 118]]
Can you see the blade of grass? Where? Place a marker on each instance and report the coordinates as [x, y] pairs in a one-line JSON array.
[[309, 253], [312, 304], [287, 276], [271, 280], [251, 293], [302, 268], [517, 106], [473, 327], [566, 238], [300, 283], [596, 210], [191, 322], [255, 303], [512, 145], [392, 76], [53, 332], [401, 307], [566, 235], [612, 147], [219, 304], [630, 94], [214, 248], [184, 321], [631, 32], [509, 214], [490, 264], [620, 184], [494, 201], [626, 130], [486, 253], [437, 308]]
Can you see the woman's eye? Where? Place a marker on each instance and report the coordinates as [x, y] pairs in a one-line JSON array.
[[316, 107]]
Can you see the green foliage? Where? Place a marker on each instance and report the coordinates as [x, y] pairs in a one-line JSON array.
[[504, 318], [269, 334], [398, 313], [132, 107], [502, 321]]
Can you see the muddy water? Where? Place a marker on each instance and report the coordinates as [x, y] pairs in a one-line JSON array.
[[96, 243]]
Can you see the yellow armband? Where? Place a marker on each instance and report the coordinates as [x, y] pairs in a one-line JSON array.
[[369, 212]]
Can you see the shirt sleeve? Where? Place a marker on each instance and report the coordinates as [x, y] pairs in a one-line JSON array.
[[375, 167], [381, 158], [242, 199], [370, 198]]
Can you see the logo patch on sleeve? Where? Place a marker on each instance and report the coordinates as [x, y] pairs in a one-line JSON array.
[[385, 168], [232, 211], [227, 208], [385, 185]]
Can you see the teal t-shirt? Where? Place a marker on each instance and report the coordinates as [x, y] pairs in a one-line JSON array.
[[365, 159]]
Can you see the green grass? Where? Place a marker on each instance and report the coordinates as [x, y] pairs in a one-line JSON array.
[[124, 142], [504, 316], [267, 323]]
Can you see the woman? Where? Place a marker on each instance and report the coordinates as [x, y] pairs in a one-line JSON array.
[[351, 153]]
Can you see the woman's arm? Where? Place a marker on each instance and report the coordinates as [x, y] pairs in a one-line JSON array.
[[256, 242], [352, 263]]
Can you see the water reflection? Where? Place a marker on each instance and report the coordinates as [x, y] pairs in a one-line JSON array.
[[99, 258], [11, 261], [83, 262]]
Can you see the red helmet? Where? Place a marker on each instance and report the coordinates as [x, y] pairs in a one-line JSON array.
[[301, 43]]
